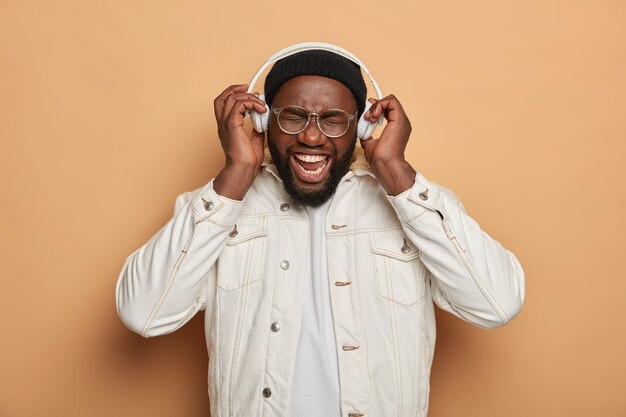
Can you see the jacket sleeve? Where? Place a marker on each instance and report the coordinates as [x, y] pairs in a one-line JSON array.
[[472, 275], [163, 284]]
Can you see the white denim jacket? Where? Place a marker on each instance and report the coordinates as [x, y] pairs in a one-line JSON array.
[[389, 258]]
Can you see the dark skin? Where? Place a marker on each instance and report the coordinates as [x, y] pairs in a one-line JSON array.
[[244, 151], [316, 94]]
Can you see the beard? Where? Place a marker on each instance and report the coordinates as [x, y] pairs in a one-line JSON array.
[[313, 198]]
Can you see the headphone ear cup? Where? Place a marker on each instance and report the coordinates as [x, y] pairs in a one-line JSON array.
[[260, 121], [365, 129]]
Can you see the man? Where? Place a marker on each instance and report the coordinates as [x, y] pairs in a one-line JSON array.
[[317, 265]]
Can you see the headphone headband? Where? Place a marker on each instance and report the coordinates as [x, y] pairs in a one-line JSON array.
[[308, 46], [260, 121]]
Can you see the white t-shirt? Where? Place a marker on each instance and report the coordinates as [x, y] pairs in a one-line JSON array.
[[315, 385]]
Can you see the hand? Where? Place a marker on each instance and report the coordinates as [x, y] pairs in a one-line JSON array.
[[386, 154], [239, 147], [244, 152]]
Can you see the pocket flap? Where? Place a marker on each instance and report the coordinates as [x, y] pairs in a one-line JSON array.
[[247, 228], [395, 244]]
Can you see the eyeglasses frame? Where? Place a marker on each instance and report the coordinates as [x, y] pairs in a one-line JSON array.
[[350, 116]]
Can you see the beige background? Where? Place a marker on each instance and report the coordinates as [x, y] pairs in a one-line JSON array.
[[106, 115]]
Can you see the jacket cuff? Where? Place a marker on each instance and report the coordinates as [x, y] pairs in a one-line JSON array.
[[421, 197], [207, 204]]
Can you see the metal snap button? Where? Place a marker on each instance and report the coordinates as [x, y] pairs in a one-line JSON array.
[[342, 283], [208, 204], [284, 264], [275, 326], [284, 207], [348, 348], [267, 392], [424, 194], [233, 232], [405, 248]]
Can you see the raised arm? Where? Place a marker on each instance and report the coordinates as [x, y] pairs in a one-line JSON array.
[[166, 281], [472, 275]]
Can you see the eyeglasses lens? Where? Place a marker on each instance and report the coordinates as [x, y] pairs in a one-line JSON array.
[[332, 123]]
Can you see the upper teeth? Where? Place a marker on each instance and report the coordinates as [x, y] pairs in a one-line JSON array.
[[310, 158]]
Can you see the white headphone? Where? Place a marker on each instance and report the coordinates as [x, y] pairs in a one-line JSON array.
[[365, 129]]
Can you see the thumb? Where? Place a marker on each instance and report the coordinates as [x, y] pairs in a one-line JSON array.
[[368, 145], [257, 135], [257, 138]]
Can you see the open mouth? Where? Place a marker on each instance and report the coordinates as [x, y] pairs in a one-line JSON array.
[[310, 168]]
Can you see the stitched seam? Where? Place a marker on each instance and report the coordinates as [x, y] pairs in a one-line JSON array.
[[252, 241], [216, 323], [470, 268], [425, 205], [394, 333], [416, 374], [364, 230], [240, 319], [169, 282], [355, 289], [191, 312], [390, 254], [267, 343], [426, 210], [483, 289], [431, 277], [267, 214], [389, 276], [222, 226], [202, 217]]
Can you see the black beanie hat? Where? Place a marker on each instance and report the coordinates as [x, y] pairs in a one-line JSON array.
[[317, 62]]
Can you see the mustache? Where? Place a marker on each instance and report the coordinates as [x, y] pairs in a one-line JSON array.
[[313, 198]]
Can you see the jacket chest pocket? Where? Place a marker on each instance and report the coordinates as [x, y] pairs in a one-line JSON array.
[[399, 271], [240, 261]]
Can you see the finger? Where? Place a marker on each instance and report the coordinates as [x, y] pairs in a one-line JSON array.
[[220, 100], [232, 99], [388, 107], [226, 100], [238, 110], [379, 107], [242, 96], [368, 113], [257, 105], [235, 88]]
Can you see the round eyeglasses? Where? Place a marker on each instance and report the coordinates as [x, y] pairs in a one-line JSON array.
[[332, 123]]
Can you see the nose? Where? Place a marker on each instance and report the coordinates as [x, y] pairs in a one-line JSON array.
[[312, 135]]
